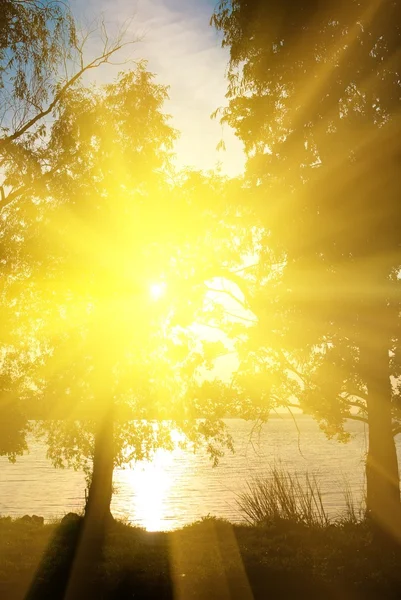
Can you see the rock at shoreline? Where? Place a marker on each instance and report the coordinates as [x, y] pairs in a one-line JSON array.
[[70, 518], [37, 520], [33, 519]]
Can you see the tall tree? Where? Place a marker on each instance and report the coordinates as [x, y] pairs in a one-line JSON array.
[[118, 249], [314, 95], [114, 233]]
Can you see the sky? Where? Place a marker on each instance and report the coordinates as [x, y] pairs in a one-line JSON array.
[[184, 52]]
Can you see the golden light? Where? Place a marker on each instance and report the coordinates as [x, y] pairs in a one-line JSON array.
[[157, 291], [151, 482]]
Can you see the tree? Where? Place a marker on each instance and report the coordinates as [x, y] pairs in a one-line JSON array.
[[314, 94], [119, 370]]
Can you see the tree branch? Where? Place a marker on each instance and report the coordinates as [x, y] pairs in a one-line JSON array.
[[291, 367], [227, 293], [246, 268], [96, 62], [240, 317], [297, 428], [357, 418]]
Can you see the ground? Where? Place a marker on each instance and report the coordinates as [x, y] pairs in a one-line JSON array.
[[209, 559]]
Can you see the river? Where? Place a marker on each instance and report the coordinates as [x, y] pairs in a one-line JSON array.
[[178, 487]]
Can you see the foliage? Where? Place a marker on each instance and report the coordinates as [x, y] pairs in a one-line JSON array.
[[19, 350], [313, 94], [36, 37], [105, 228], [42, 56]]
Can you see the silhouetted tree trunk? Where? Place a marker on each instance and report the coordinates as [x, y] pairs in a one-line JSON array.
[[382, 476], [101, 487], [84, 579]]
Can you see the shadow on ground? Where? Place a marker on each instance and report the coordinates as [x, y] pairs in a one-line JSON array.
[[209, 559]]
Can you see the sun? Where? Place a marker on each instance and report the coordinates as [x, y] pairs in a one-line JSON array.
[[157, 290]]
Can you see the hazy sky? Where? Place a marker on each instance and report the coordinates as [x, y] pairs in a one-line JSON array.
[[185, 53]]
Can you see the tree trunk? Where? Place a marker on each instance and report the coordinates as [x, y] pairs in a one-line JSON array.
[[382, 476], [101, 487], [84, 579]]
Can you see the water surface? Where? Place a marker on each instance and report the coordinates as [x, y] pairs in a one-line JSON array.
[[178, 487]]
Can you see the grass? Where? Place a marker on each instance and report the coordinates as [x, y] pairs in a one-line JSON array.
[[208, 559], [283, 496], [293, 498], [354, 513]]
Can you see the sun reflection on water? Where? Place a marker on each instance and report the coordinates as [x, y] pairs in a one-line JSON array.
[[151, 483], [147, 493]]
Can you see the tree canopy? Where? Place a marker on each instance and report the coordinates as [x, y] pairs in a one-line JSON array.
[[109, 226], [314, 95]]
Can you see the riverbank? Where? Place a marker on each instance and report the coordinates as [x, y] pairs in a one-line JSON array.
[[209, 559]]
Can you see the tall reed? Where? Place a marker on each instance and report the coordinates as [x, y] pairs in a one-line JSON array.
[[354, 512], [283, 496]]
